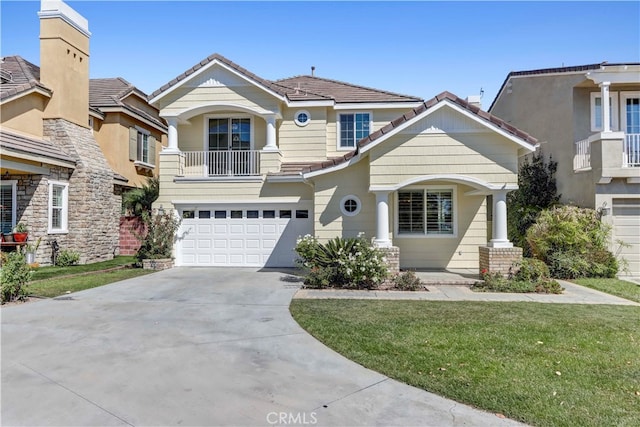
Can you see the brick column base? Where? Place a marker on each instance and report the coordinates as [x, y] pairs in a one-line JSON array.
[[392, 255], [498, 260]]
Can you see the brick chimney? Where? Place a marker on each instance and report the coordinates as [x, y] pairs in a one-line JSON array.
[[64, 61]]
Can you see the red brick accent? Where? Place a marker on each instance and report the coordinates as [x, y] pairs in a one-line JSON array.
[[130, 226], [498, 259]]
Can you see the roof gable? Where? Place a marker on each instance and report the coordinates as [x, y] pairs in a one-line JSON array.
[[413, 117], [19, 76]]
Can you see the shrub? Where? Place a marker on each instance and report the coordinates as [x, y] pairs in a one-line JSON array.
[[14, 276], [407, 281], [158, 235], [529, 275], [66, 258], [531, 269], [572, 241], [139, 200], [346, 263]]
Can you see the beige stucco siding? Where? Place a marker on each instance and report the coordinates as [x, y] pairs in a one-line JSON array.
[[24, 114], [448, 252], [484, 156], [329, 191], [303, 143]]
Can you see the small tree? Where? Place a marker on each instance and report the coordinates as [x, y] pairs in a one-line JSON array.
[[139, 200], [536, 191], [14, 276]]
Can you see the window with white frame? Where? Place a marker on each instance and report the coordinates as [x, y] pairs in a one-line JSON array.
[[630, 103], [143, 147], [8, 202], [352, 127], [229, 133], [596, 111], [426, 211], [58, 206]]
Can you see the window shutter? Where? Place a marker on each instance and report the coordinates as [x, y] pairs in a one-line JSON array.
[[152, 150], [133, 144]]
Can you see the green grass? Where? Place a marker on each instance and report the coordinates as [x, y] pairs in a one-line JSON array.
[[54, 287], [542, 364], [49, 272], [620, 288]]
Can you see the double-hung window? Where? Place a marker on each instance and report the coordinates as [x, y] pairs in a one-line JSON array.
[[426, 211], [142, 147], [352, 127], [8, 206], [58, 206]]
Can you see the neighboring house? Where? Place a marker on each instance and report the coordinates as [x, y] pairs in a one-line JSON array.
[[61, 160], [253, 164], [588, 119]]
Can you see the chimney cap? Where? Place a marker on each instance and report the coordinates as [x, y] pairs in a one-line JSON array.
[[59, 9]]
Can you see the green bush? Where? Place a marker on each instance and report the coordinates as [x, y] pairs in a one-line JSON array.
[[158, 234], [528, 275], [531, 270], [14, 276], [350, 263], [407, 281], [65, 258], [572, 241]]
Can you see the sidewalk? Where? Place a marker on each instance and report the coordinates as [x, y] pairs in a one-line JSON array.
[[573, 294]]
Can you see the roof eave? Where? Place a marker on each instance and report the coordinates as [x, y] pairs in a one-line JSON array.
[[35, 89], [124, 110]]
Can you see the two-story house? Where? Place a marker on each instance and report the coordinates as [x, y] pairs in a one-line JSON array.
[[588, 119], [71, 145], [253, 164]]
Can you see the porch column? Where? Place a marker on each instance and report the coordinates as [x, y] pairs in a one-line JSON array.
[[271, 134], [606, 107], [499, 233], [382, 220], [172, 135]]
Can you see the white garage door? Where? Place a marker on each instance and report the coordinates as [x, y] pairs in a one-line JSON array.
[[626, 227], [241, 236]]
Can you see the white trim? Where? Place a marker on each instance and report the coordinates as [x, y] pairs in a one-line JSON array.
[[623, 107], [59, 9], [355, 198], [65, 208], [204, 70], [142, 130], [14, 199], [338, 126], [145, 165], [211, 108], [460, 179], [274, 201], [301, 104], [38, 170], [613, 111], [425, 235], [337, 167], [299, 123], [228, 116]]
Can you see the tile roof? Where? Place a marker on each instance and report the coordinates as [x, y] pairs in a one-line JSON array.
[[18, 75], [490, 118], [111, 92], [10, 141], [299, 88]]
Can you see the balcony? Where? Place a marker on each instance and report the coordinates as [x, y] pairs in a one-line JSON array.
[[610, 155], [230, 163]]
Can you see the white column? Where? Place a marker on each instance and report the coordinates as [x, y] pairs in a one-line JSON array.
[[172, 135], [606, 107], [499, 233], [271, 134], [382, 220]]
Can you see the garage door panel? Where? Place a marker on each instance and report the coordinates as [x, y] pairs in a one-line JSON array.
[[252, 240], [626, 227]]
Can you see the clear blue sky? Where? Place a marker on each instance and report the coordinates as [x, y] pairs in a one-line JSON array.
[[416, 48]]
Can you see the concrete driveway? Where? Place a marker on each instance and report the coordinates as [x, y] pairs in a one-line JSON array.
[[200, 346]]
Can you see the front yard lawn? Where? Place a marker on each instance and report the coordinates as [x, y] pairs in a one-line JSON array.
[[542, 364], [620, 288], [51, 282]]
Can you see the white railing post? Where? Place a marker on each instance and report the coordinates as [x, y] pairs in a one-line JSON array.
[[222, 163], [631, 150], [582, 158]]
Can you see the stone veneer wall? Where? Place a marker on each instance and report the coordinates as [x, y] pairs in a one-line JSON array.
[[94, 203], [498, 260], [392, 255]]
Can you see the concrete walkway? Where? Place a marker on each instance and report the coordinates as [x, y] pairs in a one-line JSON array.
[[573, 294], [195, 347]]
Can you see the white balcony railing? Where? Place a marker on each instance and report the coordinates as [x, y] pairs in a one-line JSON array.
[[582, 157], [631, 150], [221, 163]]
